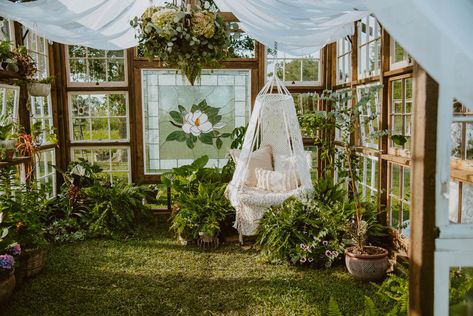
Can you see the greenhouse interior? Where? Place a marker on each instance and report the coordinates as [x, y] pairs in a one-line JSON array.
[[219, 157]]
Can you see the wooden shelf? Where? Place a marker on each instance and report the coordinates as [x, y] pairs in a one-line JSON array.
[[9, 75], [14, 162]]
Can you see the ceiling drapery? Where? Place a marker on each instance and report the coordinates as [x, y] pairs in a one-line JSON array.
[[437, 33], [299, 27], [101, 24]]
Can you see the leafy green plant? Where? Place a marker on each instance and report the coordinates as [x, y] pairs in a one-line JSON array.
[[203, 211], [184, 39], [304, 232], [394, 290], [116, 208], [198, 197], [25, 209], [7, 127]]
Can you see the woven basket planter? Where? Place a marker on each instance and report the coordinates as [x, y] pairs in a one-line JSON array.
[[7, 285], [32, 262], [37, 89]]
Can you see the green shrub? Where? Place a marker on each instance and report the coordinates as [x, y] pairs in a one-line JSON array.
[[115, 209], [305, 232]]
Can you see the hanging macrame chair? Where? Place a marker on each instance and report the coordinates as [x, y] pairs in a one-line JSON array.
[[273, 122]]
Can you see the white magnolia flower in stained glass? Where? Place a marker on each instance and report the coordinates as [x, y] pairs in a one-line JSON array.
[[197, 123]]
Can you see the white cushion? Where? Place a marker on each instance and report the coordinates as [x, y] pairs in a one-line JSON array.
[[287, 164], [260, 158], [273, 181]]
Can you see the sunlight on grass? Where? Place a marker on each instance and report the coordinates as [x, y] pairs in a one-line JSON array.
[[155, 275]]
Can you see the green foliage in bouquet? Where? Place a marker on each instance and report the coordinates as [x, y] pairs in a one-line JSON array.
[[185, 39]]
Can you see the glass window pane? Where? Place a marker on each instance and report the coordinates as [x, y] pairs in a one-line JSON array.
[[395, 180], [293, 70], [467, 203], [456, 137], [99, 117]]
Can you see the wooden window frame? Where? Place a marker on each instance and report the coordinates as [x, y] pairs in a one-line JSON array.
[[92, 141], [377, 42], [392, 52], [340, 53], [108, 147], [402, 152], [105, 84]]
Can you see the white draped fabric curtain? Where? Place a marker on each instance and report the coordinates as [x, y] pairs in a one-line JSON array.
[[437, 33], [300, 27], [101, 24]]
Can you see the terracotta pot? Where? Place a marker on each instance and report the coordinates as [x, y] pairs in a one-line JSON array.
[[37, 89], [367, 267], [7, 285]]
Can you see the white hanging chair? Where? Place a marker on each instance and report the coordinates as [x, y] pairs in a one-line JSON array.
[[273, 122]]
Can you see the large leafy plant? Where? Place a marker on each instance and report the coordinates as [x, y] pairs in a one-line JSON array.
[[305, 232], [198, 198], [201, 123], [201, 211], [187, 39]]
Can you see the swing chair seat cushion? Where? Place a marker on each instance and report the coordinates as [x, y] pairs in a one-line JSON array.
[[262, 198]]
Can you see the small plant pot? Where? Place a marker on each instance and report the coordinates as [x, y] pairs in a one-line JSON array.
[[7, 149], [7, 285], [37, 89], [369, 266], [207, 242]]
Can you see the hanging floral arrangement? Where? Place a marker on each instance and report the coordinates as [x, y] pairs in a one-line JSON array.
[[187, 39]]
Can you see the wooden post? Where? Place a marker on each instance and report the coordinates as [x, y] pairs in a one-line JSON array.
[[423, 232]]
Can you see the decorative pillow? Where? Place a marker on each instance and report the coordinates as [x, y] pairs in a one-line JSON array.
[[260, 158], [287, 164], [268, 180]]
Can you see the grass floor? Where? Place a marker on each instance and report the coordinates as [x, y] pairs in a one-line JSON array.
[[153, 275]]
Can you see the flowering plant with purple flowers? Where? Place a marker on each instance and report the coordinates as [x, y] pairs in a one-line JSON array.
[[7, 263], [307, 232]]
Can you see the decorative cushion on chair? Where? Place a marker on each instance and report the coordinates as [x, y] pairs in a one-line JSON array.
[[273, 181], [286, 164], [260, 158]]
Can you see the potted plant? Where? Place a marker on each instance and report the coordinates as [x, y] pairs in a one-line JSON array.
[[40, 88], [8, 250], [7, 60], [25, 63], [7, 138], [199, 202], [363, 261], [183, 38], [25, 212]]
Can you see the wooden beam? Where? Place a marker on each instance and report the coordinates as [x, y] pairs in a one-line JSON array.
[[228, 17], [423, 229]]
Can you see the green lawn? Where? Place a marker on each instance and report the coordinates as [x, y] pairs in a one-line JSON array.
[[153, 275]]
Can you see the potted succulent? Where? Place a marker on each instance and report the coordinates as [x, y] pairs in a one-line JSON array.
[[40, 88], [7, 138]]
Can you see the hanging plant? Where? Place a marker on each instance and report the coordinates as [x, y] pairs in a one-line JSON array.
[[184, 39]]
